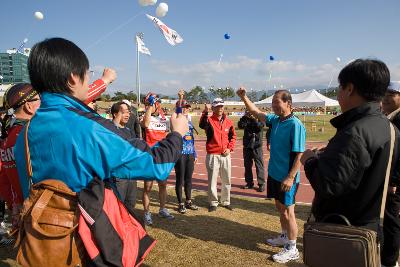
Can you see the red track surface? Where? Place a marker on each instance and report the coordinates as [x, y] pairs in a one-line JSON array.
[[305, 193]]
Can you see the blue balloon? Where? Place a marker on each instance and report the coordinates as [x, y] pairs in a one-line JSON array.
[[227, 36], [271, 58]]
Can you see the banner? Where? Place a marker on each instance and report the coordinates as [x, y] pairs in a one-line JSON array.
[[172, 37]]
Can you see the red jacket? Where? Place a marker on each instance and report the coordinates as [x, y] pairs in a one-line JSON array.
[[10, 189], [220, 134]]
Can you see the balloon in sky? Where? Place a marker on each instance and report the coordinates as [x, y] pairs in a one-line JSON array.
[[147, 2], [25, 40], [227, 36], [39, 15], [161, 10], [338, 59], [271, 58]]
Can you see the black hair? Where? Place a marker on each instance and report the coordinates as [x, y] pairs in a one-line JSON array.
[[284, 95], [115, 108], [51, 63], [370, 78]]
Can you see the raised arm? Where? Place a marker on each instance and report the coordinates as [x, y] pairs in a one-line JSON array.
[[250, 106]]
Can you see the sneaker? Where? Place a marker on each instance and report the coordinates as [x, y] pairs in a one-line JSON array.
[[189, 205], [212, 208], [164, 213], [279, 241], [261, 188], [228, 207], [147, 218], [5, 228], [247, 186], [286, 255], [181, 208]]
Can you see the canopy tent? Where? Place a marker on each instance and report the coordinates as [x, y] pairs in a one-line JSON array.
[[306, 99]]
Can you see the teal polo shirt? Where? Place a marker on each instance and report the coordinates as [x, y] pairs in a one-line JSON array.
[[287, 137]]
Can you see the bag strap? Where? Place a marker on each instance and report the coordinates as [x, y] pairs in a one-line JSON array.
[[28, 154], [388, 170]]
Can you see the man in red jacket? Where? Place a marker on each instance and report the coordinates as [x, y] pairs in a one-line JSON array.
[[221, 138]]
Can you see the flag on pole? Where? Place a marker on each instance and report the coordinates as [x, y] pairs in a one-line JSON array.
[[141, 47], [172, 37]]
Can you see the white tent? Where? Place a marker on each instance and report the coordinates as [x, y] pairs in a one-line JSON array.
[[306, 99]]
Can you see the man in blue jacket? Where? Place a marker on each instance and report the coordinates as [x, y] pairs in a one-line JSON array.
[[70, 142]]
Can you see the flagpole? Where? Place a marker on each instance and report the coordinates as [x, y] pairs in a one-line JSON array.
[[137, 71]]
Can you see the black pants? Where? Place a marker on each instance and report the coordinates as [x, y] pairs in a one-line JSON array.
[[2, 210], [127, 191], [391, 231], [184, 171], [256, 155]]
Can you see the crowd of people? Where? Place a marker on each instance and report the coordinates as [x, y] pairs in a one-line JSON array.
[[52, 131]]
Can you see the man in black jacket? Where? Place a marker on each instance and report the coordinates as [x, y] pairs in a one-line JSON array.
[[252, 150], [133, 124], [391, 222], [348, 175]]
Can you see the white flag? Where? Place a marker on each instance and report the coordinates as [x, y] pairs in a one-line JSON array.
[[172, 36], [141, 47]]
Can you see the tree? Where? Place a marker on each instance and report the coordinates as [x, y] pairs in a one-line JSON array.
[[264, 96], [223, 93], [118, 96], [105, 97], [131, 96], [196, 95]]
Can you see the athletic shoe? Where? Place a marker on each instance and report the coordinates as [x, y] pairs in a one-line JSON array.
[[247, 186], [286, 255], [279, 241], [181, 208], [189, 205], [212, 208], [5, 228], [147, 218], [164, 213], [228, 207], [261, 188]]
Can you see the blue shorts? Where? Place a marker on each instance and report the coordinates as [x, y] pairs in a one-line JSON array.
[[274, 191]]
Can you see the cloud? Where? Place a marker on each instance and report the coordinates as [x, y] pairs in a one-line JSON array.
[[168, 77]]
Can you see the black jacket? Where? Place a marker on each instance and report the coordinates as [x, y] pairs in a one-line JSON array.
[[133, 123], [348, 176], [252, 136]]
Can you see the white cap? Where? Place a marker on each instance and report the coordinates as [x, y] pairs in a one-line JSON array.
[[126, 101], [217, 102], [394, 86]]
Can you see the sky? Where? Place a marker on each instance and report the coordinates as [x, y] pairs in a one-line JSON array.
[[304, 36]]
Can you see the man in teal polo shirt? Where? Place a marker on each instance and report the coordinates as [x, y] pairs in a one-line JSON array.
[[287, 139]]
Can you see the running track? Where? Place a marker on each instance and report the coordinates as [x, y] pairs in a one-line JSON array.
[[304, 195]]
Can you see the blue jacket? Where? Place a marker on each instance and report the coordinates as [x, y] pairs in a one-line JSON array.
[[70, 142]]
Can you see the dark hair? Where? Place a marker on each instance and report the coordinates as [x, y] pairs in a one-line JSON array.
[[284, 95], [115, 108], [370, 78], [51, 63]]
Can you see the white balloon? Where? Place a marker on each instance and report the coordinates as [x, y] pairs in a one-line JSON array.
[[338, 59], [142, 2], [162, 10], [151, 2], [39, 15], [147, 2], [25, 40]]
